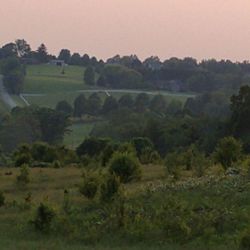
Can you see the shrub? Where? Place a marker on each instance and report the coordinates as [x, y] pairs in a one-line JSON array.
[[90, 185], [109, 188], [23, 158], [2, 199], [142, 143], [125, 166], [92, 147], [42, 152], [23, 177], [22, 155], [44, 217], [149, 156], [56, 164], [245, 240], [228, 151], [173, 162]]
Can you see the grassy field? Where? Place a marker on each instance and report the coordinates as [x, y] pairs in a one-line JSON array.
[[49, 79], [45, 85], [218, 204], [47, 185], [79, 131]]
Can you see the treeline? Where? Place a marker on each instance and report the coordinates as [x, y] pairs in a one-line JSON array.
[[129, 72], [31, 124], [94, 105]]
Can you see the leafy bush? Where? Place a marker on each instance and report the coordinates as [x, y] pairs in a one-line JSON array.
[[23, 177], [228, 151], [56, 164], [92, 147], [42, 152], [125, 166], [44, 217], [109, 188], [90, 185], [173, 162], [141, 144], [149, 156], [24, 158]]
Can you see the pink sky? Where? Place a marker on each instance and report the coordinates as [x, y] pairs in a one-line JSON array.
[[197, 28]]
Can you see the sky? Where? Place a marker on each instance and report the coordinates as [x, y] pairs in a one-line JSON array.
[[103, 28]]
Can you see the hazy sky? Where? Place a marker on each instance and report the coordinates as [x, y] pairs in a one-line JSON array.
[[197, 28]]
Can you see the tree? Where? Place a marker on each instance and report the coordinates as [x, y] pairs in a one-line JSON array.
[[240, 118], [89, 76], [158, 104], [9, 50], [80, 106], [22, 47], [85, 60], [53, 124], [94, 104], [65, 107], [92, 147], [228, 151], [42, 54], [64, 55], [75, 59], [142, 102], [13, 75], [126, 101], [109, 105], [118, 76]]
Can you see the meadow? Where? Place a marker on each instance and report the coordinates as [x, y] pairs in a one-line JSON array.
[[213, 209]]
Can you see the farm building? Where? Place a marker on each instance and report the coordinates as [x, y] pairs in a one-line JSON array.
[[57, 62]]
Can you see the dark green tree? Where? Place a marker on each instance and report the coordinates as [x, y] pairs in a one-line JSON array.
[[80, 106], [94, 104], [42, 54], [141, 102], [89, 76], [126, 101], [158, 104], [109, 105], [53, 124], [65, 55], [23, 48], [65, 107]]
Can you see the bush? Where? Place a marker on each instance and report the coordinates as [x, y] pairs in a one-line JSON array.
[[109, 188], [42, 152], [23, 158], [126, 166], [56, 164], [23, 177], [2, 199], [228, 151], [90, 185], [245, 241], [44, 217], [173, 162], [92, 147], [149, 156], [141, 144]]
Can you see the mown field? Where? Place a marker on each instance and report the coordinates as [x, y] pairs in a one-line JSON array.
[[42, 79]]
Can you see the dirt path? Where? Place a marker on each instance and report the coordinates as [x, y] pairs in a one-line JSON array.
[[4, 95]]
